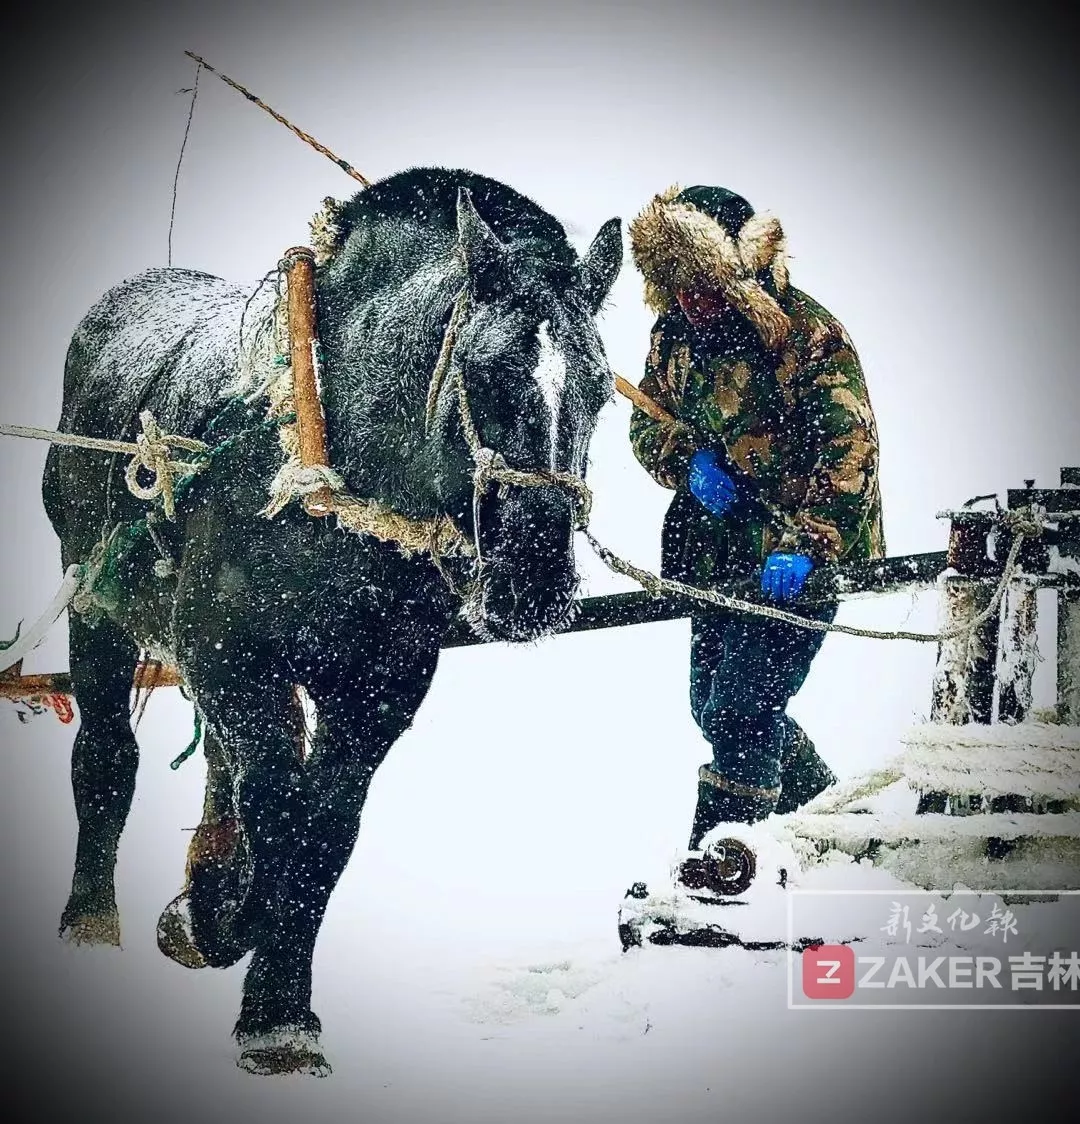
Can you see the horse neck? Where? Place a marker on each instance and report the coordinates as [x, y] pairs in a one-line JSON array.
[[380, 351]]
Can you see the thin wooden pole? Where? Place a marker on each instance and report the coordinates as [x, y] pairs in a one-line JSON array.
[[303, 349]]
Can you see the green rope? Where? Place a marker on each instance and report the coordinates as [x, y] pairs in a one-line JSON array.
[[192, 746]]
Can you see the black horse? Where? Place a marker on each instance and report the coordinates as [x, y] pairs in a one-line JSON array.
[[248, 607]]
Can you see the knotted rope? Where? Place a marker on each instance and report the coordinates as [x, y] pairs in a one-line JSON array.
[[321, 489], [489, 466], [149, 451]]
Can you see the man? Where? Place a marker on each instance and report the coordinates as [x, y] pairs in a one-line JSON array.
[[774, 465]]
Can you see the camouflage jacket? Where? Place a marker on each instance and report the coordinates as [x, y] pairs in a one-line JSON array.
[[795, 426]]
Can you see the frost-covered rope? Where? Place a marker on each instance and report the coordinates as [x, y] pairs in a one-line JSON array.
[[150, 451], [655, 586], [307, 138]]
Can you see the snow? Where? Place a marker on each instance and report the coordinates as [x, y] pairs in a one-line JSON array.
[[469, 969]]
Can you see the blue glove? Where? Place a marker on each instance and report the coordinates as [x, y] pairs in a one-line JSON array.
[[784, 575], [710, 484]]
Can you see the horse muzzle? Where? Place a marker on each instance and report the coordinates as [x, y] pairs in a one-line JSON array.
[[527, 575]]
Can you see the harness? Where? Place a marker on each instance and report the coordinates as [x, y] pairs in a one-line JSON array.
[[307, 474]]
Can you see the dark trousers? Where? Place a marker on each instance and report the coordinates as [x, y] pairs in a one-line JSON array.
[[744, 669]]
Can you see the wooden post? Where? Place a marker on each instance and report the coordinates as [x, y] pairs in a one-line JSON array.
[[1018, 652], [1068, 657], [963, 686], [1017, 656], [1068, 617]]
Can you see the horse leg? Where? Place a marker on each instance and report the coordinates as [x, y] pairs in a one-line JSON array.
[[277, 1031], [252, 718], [104, 760], [194, 929]]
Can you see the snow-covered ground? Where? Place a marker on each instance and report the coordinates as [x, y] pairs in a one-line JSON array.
[[469, 967]]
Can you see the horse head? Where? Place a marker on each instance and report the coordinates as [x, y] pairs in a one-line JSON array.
[[528, 377]]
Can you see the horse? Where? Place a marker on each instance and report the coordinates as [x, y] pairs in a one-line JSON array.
[[250, 607]]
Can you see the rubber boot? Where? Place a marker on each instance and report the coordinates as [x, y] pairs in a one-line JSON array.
[[723, 801], [803, 774]]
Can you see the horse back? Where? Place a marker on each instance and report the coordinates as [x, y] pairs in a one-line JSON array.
[[168, 341]]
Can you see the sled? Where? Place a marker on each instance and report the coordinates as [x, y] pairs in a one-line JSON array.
[[733, 892]]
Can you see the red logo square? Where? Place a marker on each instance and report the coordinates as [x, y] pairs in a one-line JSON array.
[[828, 972]]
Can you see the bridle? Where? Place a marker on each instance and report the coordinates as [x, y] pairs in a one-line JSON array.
[[489, 465], [322, 490]]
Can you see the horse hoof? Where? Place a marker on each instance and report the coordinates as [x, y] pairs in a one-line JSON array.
[[91, 929], [283, 1052], [181, 938], [174, 935]]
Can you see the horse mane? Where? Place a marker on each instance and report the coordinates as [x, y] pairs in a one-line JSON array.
[[430, 195]]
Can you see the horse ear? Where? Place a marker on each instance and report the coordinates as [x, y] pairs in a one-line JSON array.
[[480, 247], [602, 262]]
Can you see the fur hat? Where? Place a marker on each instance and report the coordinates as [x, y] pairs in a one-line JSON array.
[[708, 238]]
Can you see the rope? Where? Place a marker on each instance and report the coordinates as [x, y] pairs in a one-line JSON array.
[[490, 467], [149, 451], [105, 560], [656, 586], [85, 585], [180, 159], [344, 165], [438, 537]]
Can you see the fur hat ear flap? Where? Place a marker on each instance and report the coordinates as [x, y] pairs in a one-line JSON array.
[[771, 322], [651, 250], [327, 234], [762, 246]]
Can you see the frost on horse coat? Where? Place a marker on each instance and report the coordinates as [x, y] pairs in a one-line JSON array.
[[248, 607]]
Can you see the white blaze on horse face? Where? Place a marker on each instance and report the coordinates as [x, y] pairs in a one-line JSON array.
[[550, 375]]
